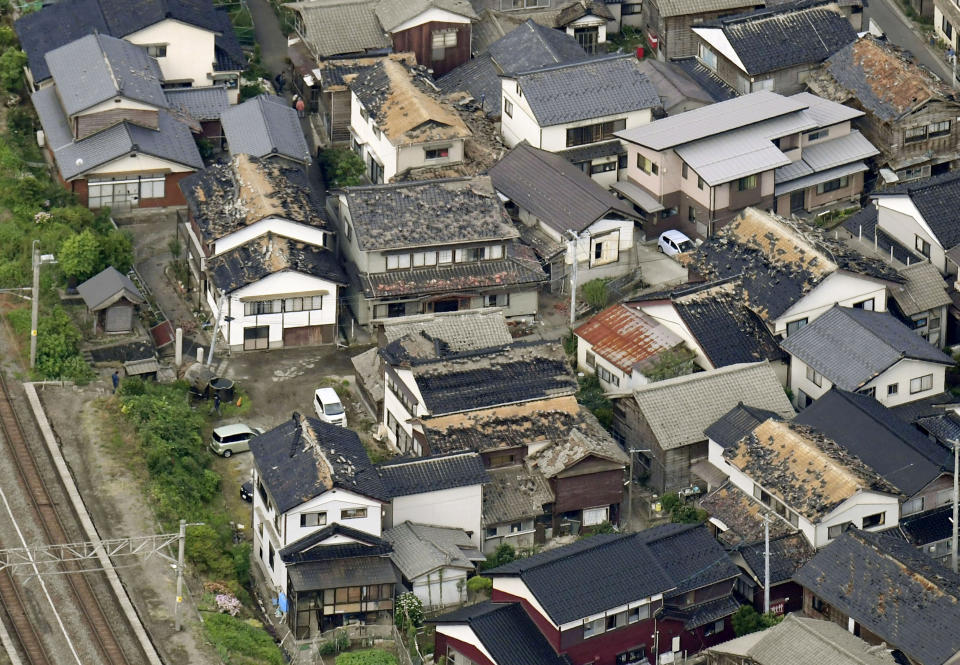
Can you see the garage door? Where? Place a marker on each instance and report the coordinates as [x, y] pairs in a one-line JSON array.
[[308, 335], [119, 318]]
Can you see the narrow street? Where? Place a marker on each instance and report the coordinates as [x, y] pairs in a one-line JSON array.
[[900, 31]]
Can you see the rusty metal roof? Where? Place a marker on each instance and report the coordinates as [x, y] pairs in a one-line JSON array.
[[624, 336]]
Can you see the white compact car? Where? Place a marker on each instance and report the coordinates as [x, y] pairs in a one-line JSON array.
[[329, 408], [672, 243]]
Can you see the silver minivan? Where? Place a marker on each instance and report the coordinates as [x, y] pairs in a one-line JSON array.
[[230, 439]]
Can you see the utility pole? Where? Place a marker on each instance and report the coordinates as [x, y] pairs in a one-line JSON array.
[[574, 247], [220, 319], [956, 503], [182, 540], [630, 484], [35, 304], [766, 563]]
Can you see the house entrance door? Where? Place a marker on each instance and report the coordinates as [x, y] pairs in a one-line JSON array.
[[256, 338], [796, 201]]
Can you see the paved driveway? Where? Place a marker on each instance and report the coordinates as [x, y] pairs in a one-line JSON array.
[[658, 270]]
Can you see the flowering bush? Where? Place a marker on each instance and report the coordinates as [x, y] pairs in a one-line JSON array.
[[228, 603], [409, 611]]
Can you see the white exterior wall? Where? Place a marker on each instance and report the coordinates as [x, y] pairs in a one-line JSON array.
[[466, 635], [441, 587], [414, 156], [276, 225], [393, 406], [839, 288], [289, 284], [798, 381], [190, 50], [384, 152], [626, 383], [457, 508], [522, 125], [431, 15], [555, 136], [938, 27], [901, 374], [899, 218], [665, 314], [715, 457], [140, 164], [516, 587], [854, 509], [589, 22], [111, 104]]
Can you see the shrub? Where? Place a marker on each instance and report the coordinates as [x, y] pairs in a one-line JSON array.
[[595, 293], [681, 512], [80, 255], [603, 527], [479, 584], [239, 641], [747, 620], [503, 554], [11, 69], [341, 168], [409, 611], [592, 396], [58, 344], [367, 657]]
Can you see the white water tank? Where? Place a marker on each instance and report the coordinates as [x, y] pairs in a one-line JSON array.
[[41, 138]]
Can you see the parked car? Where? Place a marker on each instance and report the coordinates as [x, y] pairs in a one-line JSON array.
[[230, 439], [329, 408], [672, 243], [246, 491]]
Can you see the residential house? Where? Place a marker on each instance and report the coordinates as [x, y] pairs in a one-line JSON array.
[[725, 433], [112, 299], [203, 105], [432, 246], [930, 532], [921, 468], [525, 48], [612, 598], [193, 42], [809, 481], [679, 91], [788, 553], [885, 591], [575, 109], [267, 127], [108, 127], [330, 28], [328, 82], [669, 417], [735, 518], [438, 32], [317, 527], [866, 352], [259, 248], [588, 21], [801, 641], [395, 126], [669, 23], [443, 490], [435, 561], [697, 170], [775, 48], [424, 379], [714, 322], [557, 469], [922, 302], [791, 274], [909, 113], [565, 215], [620, 343], [945, 20]]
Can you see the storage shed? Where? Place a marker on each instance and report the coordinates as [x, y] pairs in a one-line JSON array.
[[111, 298]]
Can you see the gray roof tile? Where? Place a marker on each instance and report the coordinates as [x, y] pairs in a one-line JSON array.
[[419, 549], [104, 285], [924, 289], [393, 13], [265, 126], [402, 477], [338, 27], [514, 493], [200, 103], [465, 330]]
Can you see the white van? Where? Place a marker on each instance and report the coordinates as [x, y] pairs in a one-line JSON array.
[[329, 408]]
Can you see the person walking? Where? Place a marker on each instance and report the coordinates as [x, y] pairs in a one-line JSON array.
[[216, 403], [300, 107], [115, 377], [280, 82]]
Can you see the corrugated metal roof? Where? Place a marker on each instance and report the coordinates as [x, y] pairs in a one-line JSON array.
[[638, 195], [819, 177], [713, 119], [826, 155], [623, 336], [825, 111]]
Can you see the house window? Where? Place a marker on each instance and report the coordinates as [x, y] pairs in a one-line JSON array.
[[818, 605], [302, 304], [819, 134], [516, 527], [683, 171], [635, 655], [353, 513], [398, 261], [491, 532], [508, 107], [707, 57], [864, 304], [595, 627], [617, 620], [471, 254], [454, 657], [638, 613], [922, 246], [497, 460], [920, 322], [835, 531], [605, 375], [523, 4], [600, 131], [603, 167], [833, 185], [794, 326], [691, 214], [814, 377], [871, 521], [313, 519], [915, 134], [441, 41], [270, 554], [939, 129], [646, 165], [714, 628], [445, 256], [893, 389], [591, 359], [762, 84], [256, 307], [438, 153], [746, 184], [157, 50], [631, 8], [606, 249], [496, 300], [421, 259], [946, 27], [700, 182], [869, 392], [921, 384], [587, 38], [668, 212], [495, 252], [912, 506]]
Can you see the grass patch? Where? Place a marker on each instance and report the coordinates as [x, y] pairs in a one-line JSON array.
[[241, 641]]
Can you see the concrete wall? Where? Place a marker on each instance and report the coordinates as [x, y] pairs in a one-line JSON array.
[[441, 587]]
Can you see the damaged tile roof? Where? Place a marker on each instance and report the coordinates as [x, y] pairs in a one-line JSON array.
[[805, 469], [891, 447], [419, 549], [202, 104], [269, 254], [304, 457], [740, 515], [787, 554], [938, 200], [336, 74], [684, 7], [736, 424], [402, 477], [337, 27], [505, 426], [464, 330], [516, 372], [514, 493], [519, 267], [880, 77], [679, 410], [896, 592], [555, 191], [923, 290], [850, 346], [778, 261], [393, 13], [427, 213], [701, 614], [777, 38], [225, 198], [391, 93], [590, 89], [612, 570], [578, 445], [728, 332], [347, 543], [265, 126], [624, 336]]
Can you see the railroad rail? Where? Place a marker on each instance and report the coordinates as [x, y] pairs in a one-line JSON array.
[[87, 601]]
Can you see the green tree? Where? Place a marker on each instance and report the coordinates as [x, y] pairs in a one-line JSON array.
[[747, 620], [503, 554], [80, 255], [478, 584], [116, 250], [11, 69], [341, 168], [8, 37]]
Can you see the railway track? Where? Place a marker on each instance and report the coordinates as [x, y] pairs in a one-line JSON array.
[[87, 602]]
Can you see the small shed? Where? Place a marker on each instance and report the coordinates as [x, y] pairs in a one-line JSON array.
[[111, 297]]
